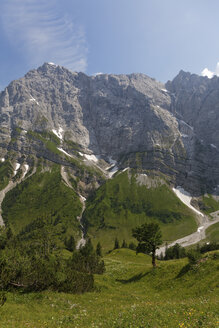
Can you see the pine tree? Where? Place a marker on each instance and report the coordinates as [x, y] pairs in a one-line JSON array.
[[70, 244], [99, 249], [116, 244], [149, 239], [132, 246], [124, 244]]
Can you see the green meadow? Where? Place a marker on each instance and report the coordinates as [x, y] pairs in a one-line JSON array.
[[43, 195], [212, 233], [121, 204], [129, 294]]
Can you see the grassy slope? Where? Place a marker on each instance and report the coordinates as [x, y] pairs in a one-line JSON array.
[[121, 204], [129, 294], [210, 204], [212, 233], [42, 195], [6, 171]]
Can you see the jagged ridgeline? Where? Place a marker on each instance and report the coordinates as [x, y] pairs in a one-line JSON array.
[[120, 141]]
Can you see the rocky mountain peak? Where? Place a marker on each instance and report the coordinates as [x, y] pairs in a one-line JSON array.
[[172, 126]]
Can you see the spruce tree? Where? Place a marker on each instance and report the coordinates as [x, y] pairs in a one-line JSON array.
[[70, 244], [124, 244], [149, 239], [116, 244], [99, 249]]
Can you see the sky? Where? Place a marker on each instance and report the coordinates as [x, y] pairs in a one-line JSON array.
[[154, 37]]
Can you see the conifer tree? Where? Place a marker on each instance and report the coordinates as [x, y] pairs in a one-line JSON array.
[[116, 244], [124, 244], [149, 239], [70, 244], [99, 249]]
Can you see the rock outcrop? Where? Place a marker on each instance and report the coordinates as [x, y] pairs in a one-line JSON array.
[[133, 119]]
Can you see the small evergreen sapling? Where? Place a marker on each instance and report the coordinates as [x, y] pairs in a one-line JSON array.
[[99, 249], [116, 244], [70, 244], [124, 244]]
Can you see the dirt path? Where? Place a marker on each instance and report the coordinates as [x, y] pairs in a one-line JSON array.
[[195, 237]]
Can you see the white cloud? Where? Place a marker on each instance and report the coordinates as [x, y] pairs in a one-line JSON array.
[[210, 74], [42, 35], [207, 73], [217, 69]]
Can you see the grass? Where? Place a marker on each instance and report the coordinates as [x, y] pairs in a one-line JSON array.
[[6, 171], [49, 139], [212, 233], [43, 195], [121, 204], [210, 204], [129, 294]]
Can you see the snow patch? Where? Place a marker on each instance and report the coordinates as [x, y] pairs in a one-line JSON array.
[[164, 90], [93, 158], [113, 171], [184, 135], [200, 228], [59, 132], [33, 99], [26, 168], [98, 73], [185, 197], [52, 64], [125, 169], [17, 166], [2, 160], [213, 146], [64, 152]]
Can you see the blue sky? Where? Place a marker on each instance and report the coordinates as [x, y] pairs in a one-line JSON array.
[[155, 37]]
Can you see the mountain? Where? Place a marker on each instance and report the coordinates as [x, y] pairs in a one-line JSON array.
[[172, 129], [62, 129]]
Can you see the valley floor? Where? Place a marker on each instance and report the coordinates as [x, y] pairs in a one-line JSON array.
[[129, 294]]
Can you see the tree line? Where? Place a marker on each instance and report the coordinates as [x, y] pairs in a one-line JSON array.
[[38, 263]]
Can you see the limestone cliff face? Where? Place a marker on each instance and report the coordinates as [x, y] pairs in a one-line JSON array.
[[195, 103], [131, 118]]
